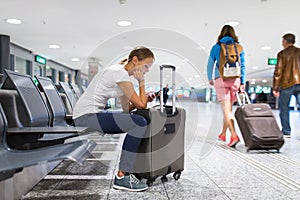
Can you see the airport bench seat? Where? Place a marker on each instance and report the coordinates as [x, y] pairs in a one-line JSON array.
[[57, 106], [71, 96], [20, 132], [11, 160], [31, 111], [76, 90]]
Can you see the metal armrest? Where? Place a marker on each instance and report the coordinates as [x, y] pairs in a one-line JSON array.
[[76, 151], [47, 130]]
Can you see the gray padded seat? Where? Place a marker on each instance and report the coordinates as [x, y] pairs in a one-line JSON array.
[[10, 100], [14, 160], [56, 105], [69, 93], [67, 104], [76, 90], [35, 112]]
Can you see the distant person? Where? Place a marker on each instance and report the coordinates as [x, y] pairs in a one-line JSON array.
[[118, 81], [226, 88], [262, 97], [253, 97], [286, 79], [165, 94]]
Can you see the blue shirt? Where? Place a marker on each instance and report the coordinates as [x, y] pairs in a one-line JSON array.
[[214, 57]]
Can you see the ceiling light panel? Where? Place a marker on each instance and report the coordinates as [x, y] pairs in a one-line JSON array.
[[14, 21], [232, 23], [124, 23], [54, 46], [75, 59], [265, 48]]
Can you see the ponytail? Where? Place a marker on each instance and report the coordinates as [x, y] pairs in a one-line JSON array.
[[122, 62], [140, 52]]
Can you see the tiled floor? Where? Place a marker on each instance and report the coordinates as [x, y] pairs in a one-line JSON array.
[[212, 170]]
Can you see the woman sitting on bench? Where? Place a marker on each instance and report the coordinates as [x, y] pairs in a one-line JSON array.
[[117, 81]]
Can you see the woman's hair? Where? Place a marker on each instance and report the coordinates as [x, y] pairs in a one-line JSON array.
[[228, 30], [140, 52]]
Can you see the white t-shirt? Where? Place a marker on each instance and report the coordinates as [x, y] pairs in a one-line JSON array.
[[101, 88]]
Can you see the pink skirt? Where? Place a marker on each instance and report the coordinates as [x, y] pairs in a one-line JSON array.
[[226, 89]]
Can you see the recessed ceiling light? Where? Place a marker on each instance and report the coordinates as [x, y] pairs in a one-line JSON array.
[[54, 46], [266, 48], [264, 81], [13, 21], [124, 23], [122, 1], [252, 83], [232, 23], [253, 80], [75, 59]]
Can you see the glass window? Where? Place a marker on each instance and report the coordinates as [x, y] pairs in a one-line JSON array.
[[61, 76], [20, 65], [37, 70]]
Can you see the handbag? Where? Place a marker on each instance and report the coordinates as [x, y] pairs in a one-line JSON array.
[[233, 71]]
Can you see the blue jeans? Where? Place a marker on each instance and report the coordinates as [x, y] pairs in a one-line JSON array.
[[284, 100], [115, 123]]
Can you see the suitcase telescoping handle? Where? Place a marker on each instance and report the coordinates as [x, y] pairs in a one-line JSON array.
[[162, 67], [242, 98]]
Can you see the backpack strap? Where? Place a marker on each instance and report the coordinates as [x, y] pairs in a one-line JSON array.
[[236, 51], [227, 56]]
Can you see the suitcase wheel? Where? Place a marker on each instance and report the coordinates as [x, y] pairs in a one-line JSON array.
[[164, 179], [177, 175], [150, 181]]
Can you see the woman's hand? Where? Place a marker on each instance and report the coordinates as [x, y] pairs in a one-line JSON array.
[[242, 88], [211, 82], [138, 75], [151, 96]]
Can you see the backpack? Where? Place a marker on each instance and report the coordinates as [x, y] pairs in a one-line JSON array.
[[229, 62]]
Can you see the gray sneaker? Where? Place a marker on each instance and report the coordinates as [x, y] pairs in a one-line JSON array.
[[130, 183]]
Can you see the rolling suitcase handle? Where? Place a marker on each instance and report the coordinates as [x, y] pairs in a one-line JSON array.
[[173, 87], [245, 98]]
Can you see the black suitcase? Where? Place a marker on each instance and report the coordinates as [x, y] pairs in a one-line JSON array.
[[258, 125], [162, 151]]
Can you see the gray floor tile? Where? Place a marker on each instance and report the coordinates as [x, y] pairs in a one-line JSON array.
[[212, 171], [157, 191]]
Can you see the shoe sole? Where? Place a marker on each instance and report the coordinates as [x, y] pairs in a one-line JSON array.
[[117, 187], [234, 144]]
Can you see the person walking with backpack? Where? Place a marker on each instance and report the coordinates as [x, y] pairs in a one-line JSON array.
[[227, 57]]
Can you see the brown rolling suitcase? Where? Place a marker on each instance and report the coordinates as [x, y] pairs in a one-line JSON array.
[[258, 125], [162, 151]]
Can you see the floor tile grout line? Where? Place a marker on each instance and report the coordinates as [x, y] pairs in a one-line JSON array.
[[281, 178], [61, 180], [209, 177], [285, 160], [165, 190], [258, 177]]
